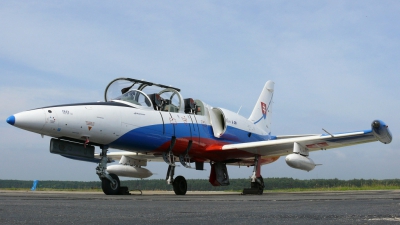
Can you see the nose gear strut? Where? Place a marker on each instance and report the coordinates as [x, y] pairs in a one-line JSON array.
[[109, 182]]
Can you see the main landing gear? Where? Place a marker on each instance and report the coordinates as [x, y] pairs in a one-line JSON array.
[[109, 182], [257, 182], [179, 183]]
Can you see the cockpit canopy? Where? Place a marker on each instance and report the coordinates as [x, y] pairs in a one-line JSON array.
[[156, 97], [135, 97]]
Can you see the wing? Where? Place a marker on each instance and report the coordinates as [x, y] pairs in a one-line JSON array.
[[283, 145], [279, 147]]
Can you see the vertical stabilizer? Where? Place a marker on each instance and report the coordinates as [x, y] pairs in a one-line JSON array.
[[261, 115]]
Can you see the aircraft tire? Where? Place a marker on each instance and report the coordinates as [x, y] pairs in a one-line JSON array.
[[256, 186], [180, 185], [108, 187], [259, 186], [260, 191]]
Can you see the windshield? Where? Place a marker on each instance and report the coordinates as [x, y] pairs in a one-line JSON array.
[[135, 97], [169, 99]]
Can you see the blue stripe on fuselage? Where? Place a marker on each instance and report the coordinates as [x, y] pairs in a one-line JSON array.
[[141, 139], [150, 138]]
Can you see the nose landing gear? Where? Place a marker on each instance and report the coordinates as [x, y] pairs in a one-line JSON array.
[[109, 182], [111, 188], [179, 183]]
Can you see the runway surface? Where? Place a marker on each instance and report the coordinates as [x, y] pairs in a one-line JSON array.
[[352, 207]]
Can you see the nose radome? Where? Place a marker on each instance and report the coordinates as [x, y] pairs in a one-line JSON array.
[[11, 120], [32, 120]]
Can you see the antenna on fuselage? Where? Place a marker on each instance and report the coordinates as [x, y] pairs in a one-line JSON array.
[[239, 110]]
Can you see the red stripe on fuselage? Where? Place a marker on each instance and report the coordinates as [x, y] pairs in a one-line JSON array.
[[210, 149]]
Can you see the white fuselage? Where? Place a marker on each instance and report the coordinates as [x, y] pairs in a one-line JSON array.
[[124, 127]]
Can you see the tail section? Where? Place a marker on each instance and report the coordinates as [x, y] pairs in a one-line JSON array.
[[261, 115]]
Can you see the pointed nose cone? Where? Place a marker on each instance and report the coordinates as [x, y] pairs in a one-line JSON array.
[[11, 120], [32, 120]]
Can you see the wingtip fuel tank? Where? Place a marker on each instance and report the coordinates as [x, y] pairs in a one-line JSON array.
[[381, 131]]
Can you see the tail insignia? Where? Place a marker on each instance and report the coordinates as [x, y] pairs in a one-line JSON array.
[[264, 109]]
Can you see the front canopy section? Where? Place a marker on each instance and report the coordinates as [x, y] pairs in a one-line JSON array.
[[146, 95], [136, 98]]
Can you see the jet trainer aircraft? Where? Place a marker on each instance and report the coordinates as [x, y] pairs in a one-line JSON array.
[[160, 125]]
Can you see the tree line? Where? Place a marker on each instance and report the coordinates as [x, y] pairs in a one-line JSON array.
[[204, 185]]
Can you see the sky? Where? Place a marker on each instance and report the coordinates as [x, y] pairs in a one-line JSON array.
[[335, 65]]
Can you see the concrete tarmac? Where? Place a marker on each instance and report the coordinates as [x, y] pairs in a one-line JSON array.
[[350, 207]]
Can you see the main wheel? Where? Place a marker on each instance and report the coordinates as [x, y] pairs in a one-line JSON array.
[[260, 186], [180, 185], [108, 187]]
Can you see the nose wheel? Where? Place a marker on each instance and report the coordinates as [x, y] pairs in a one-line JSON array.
[[108, 187], [109, 182]]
